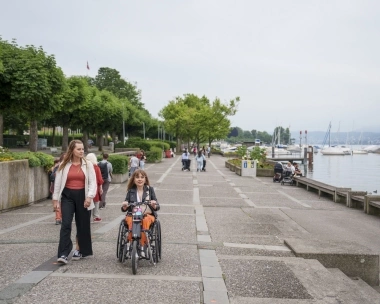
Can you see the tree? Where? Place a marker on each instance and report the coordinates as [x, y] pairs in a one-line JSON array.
[[193, 118], [76, 92], [33, 83], [110, 80]]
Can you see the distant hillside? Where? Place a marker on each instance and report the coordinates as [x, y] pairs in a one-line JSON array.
[[351, 138]]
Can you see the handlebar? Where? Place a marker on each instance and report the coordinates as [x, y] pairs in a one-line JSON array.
[[135, 204]]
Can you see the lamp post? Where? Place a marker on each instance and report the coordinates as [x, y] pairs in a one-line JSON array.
[[123, 132]]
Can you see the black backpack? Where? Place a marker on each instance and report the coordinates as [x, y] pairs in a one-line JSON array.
[[104, 169], [52, 174]]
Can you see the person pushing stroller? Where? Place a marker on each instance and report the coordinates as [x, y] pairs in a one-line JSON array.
[[186, 161]]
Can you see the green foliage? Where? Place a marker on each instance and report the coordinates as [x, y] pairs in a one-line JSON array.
[[110, 80], [143, 144], [241, 151], [35, 159], [194, 118], [119, 163], [154, 154], [259, 154]]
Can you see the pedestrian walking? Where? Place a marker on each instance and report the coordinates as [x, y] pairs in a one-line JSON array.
[[142, 160], [91, 157], [106, 169], [134, 163], [58, 214], [74, 190], [199, 159]]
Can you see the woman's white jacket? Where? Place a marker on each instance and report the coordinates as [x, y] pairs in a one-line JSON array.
[[90, 180]]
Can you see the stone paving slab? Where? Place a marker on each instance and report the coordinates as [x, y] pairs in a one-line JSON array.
[[224, 202], [180, 197], [14, 266], [55, 290], [177, 260], [262, 279], [252, 252], [41, 232], [166, 186], [10, 219]]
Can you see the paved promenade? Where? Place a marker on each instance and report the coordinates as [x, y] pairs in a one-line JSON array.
[[223, 242]]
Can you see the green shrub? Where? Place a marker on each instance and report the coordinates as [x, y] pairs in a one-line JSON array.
[[35, 159], [119, 163], [154, 154], [241, 151]]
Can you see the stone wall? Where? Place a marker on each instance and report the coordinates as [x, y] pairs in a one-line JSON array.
[[21, 185]]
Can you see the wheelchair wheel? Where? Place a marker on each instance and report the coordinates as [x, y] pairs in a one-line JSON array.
[[123, 245], [159, 240], [154, 242], [119, 246], [135, 257], [125, 248]]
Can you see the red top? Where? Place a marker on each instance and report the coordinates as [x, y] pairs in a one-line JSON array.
[[99, 182], [75, 178]]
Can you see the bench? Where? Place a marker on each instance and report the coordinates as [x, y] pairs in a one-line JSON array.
[[355, 198], [313, 184], [372, 204]]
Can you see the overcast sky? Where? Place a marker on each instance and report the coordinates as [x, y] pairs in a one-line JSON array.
[[298, 63]]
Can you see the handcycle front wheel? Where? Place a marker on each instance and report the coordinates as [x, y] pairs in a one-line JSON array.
[[135, 257]]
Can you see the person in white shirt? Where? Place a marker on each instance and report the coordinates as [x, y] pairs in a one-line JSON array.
[[185, 161], [134, 163]]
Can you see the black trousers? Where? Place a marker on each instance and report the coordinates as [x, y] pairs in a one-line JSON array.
[[72, 202]]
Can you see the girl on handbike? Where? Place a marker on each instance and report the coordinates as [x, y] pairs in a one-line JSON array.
[[139, 190]]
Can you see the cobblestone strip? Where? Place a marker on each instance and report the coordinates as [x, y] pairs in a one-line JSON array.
[[214, 287]]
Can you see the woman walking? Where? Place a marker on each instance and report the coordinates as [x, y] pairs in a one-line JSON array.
[[200, 158], [74, 189]]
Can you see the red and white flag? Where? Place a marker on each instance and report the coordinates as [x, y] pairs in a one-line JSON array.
[[88, 67]]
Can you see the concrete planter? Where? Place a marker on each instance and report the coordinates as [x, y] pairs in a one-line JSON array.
[[21, 185], [264, 172], [119, 178], [259, 172]]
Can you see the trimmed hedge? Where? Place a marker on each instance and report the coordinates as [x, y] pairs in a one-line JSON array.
[[35, 159], [154, 154], [119, 163]]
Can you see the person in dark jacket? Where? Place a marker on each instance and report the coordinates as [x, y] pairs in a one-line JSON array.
[[139, 190]]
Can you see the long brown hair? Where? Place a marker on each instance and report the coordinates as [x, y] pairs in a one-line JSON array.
[[69, 153], [131, 183]]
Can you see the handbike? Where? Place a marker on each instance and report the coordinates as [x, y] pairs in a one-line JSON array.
[[132, 249]]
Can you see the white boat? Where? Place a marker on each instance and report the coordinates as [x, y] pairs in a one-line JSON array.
[[333, 151], [372, 148], [359, 151], [294, 148]]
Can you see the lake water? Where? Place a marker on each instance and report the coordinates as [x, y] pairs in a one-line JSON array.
[[359, 171]]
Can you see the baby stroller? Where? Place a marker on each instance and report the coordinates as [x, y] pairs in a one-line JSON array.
[[204, 165], [186, 164], [278, 170], [287, 178]]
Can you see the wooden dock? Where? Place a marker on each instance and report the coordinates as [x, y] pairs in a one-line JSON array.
[[369, 203]]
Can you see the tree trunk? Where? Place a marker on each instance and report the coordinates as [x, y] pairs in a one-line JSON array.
[[1, 130], [65, 137], [85, 141], [106, 140], [33, 137], [53, 137], [178, 148], [99, 139], [113, 135]]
